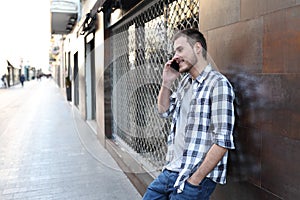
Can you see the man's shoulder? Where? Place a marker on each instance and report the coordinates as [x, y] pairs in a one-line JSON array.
[[218, 76]]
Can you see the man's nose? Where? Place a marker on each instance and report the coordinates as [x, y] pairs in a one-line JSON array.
[[176, 57]]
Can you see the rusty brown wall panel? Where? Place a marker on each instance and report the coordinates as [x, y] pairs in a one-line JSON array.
[[274, 43], [251, 8], [266, 134], [254, 8], [237, 49], [292, 60], [278, 116], [280, 165], [273, 5], [241, 191], [260, 56], [280, 109], [216, 14], [282, 41], [245, 165], [246, 158]]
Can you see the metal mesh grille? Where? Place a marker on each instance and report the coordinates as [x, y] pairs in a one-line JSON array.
[[141, 46]]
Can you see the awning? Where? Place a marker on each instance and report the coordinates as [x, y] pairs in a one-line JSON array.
[[64, 14]]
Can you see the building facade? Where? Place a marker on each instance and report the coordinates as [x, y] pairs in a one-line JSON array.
[[112, 59]]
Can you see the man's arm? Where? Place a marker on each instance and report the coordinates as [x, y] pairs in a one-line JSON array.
[[214, 155], [163, 100], [223, 120], [169, 76]]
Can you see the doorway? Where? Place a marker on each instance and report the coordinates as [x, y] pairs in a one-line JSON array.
[[76, 80], [90, 80]]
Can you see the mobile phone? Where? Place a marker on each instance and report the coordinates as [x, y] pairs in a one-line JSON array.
[[175, 65]]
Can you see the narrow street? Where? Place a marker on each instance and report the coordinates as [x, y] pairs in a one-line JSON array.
[[48, 152]]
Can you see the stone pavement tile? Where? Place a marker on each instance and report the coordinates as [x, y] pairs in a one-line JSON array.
[[43, 156]]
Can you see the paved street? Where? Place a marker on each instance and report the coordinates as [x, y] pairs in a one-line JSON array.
[[48, 152]]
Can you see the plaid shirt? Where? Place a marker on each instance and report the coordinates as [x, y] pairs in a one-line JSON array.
[[210, 121]]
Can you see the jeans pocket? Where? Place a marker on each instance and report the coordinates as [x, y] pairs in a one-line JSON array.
[[196, 192], [192, 185], [190, 192]]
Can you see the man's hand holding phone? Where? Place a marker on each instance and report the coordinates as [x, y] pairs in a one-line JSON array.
[[175, 65], [170, 73]]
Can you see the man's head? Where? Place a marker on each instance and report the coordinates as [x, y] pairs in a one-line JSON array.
[[193, 36]]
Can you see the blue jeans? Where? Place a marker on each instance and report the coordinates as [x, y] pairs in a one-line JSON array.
[[162, 188]]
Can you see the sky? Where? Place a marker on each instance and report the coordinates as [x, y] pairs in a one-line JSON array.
[[25, 33]]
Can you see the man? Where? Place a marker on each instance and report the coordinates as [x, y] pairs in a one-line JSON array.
[[202, 123], [22, 79]]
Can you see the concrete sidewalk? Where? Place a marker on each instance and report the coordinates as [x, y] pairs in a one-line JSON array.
[[48, 152]]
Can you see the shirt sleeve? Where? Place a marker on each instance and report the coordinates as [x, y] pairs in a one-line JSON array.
[[177, 94], [171, 108], [222, 114]]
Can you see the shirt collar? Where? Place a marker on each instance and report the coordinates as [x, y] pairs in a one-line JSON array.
[[202, 76]]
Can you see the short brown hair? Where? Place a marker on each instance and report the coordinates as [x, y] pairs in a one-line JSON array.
[[193, 36]]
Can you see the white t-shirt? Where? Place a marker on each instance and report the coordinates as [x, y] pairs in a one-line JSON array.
[[175, 163]]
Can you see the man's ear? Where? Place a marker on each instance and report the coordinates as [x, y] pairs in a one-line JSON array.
[[198, 48]]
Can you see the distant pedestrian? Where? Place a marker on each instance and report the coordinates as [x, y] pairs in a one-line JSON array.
[[3, 79], [22, 79], [39, 75]]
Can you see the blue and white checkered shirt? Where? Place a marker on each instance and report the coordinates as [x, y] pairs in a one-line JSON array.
[[210, 121]]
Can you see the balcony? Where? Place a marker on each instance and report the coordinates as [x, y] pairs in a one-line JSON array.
[[64, 14]]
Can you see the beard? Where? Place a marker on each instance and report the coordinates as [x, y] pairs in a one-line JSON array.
[[188, 64], [186, 68]]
